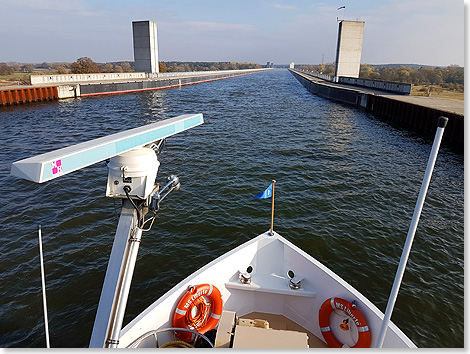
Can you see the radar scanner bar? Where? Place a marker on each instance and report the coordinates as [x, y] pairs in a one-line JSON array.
[[42, 168]]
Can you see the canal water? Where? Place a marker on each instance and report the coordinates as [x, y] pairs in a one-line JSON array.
[[345, 193]]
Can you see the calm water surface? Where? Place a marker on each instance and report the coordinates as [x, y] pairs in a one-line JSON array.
[[345, 193]]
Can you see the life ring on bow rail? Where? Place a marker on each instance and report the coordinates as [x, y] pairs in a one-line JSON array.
[[199, 309], [333, 304]]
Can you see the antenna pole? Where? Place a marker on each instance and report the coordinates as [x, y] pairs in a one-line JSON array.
[[272, 209], [411, 232], [43, 281]]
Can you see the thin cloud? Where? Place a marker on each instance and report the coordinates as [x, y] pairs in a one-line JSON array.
[[284, 7]]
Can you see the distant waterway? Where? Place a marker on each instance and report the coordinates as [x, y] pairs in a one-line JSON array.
[[346, 188]]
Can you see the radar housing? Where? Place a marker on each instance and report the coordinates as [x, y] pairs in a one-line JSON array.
[[136, 169]]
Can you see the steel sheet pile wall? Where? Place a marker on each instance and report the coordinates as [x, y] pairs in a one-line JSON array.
[[28, 94], [418, 119]]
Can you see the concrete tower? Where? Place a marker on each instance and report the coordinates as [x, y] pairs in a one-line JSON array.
[[349, 48], [145, 46]]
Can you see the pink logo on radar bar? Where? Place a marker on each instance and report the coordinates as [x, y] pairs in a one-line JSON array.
[[56, 167]]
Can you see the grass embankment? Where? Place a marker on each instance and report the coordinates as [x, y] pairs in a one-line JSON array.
[[436, 91], [15, 79]]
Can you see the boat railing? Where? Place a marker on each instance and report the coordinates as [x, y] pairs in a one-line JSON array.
[[154, 333]]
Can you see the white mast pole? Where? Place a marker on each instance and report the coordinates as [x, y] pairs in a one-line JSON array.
[[411, 232], [43, 281], [113, 299]]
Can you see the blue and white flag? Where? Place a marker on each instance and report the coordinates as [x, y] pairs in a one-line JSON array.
[[266, 194]]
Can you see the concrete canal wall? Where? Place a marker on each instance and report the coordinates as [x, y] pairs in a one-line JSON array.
[[403, 112], [98, 77], [53, 87], [161, 81], [404, 89], [395, 87], [76, 78]]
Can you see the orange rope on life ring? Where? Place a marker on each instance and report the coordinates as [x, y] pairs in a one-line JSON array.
[[199, 309], [333, 304]]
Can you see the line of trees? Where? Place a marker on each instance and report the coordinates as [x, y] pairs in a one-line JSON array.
[[451, 76], [178, 66], [82, 65], [86, 65], [15, 67]]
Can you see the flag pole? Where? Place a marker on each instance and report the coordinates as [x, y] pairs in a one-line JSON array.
[[272, 208]]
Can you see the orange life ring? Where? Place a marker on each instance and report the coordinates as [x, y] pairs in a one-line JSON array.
[[340, 304], [199, 309]]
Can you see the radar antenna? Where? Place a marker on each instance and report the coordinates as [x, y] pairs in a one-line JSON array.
[[132, 169]]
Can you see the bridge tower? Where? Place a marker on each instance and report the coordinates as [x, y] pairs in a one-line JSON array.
[[145, 46], [349, 48]]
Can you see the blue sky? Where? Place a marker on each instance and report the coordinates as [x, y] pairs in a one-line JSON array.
[[429, 32]]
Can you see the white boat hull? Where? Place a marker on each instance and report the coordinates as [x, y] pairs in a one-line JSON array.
[[271, 258]]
